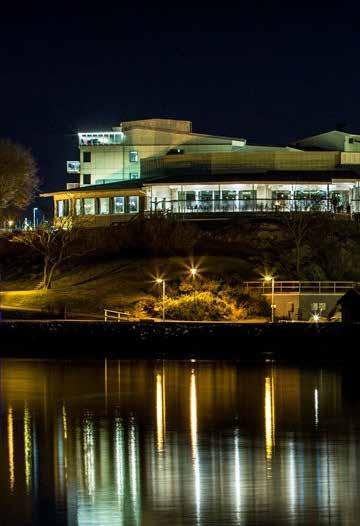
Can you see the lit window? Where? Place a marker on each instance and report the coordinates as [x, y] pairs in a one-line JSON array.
[[134, 175], [87, 157], [78, 207], [104, 206], [60, 208], [89, 206], [87, 179], [119, 205], [133, 204], [133, 157]]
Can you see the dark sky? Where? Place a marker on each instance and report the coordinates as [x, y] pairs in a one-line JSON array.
[[268, 73]]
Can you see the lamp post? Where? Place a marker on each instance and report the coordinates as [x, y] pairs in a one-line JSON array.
[[272, 279], [34, 217], [160, 281], [193, 273]]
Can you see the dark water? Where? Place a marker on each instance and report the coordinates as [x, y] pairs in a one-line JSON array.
[[177, 443]]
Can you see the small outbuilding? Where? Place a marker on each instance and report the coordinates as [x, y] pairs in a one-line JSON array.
[[350, 306]]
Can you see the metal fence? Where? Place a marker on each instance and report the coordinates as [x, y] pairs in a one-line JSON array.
[[115, 315], [314, 287], [246, 205]]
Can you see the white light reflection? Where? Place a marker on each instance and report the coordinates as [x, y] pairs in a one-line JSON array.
[[316, 406], [292, 478], [194, 442], [10, 422], [160, 411], [133, 468], [89, 456], [237, 477], [269, 417], [119, 457]]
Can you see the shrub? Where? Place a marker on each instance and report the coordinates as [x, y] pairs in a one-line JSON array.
[[203, 305]]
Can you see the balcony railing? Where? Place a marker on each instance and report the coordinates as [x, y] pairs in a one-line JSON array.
[[310, 287], [247, 205]]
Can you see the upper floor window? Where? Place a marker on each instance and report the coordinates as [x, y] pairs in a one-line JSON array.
[[86, 178], [134, 175], [87, 157], [133, 157]]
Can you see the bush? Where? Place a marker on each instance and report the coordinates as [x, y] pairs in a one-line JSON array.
[[203, 305]]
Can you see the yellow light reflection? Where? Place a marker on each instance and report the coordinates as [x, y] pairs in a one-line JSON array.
[[194, 442], [160, 411], [64, 419], [10, 422], [269, 417], [27, 448]]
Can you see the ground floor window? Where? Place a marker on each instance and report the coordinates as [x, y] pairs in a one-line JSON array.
[[63, 208], [60, 208], [78, 207], [133, 204], [104, 206], [89, 206], [119, 205]]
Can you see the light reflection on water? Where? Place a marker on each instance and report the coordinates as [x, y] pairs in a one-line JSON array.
[[145, 443]]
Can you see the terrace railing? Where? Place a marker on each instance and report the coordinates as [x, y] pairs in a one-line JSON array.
[[310, 287], [246, 205]]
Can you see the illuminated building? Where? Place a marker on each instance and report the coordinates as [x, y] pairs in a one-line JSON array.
[[161, 165]]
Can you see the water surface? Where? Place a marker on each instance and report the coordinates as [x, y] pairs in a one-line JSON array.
[[177, 443]]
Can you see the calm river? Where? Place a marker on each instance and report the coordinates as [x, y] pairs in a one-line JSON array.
[[177, 443]]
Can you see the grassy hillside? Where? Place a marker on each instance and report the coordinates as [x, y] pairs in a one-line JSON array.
[[119, 284]]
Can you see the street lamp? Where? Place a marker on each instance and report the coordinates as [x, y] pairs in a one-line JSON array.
[[193, 272], [160, 281], [272, 279], [34, 217]]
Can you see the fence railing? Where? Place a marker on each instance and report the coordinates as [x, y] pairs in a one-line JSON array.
[[115, 315], [247, 205], [315, 287]]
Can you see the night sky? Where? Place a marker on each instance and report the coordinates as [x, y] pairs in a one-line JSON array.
[[265, 73]]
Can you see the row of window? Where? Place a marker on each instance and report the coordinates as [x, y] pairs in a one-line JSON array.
[[98, 206], [133, 157], [87, 179]]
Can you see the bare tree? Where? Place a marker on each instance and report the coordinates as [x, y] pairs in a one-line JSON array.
[[18, 179], [55, 244], [298, 225]]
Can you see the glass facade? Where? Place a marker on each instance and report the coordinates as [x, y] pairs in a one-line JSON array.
[[100, 138], [258, 197]]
